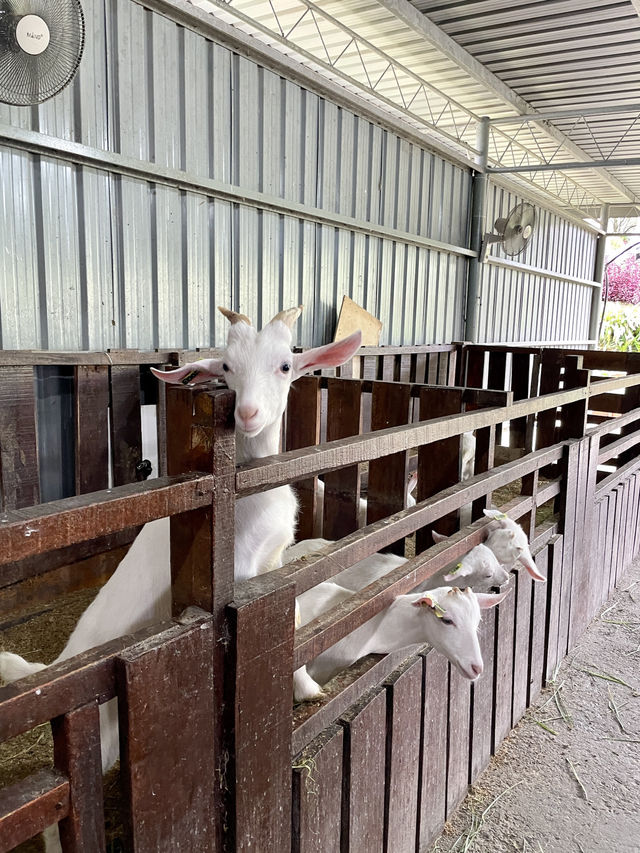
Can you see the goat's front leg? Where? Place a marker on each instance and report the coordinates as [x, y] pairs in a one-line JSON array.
[[305, 689]]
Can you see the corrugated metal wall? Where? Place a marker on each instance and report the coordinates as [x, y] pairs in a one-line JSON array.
[[91, 259], [517, 305]]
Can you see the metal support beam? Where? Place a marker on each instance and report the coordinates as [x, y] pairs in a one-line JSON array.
[[478, 227], [564, 167], [559, 114], [598, 273]]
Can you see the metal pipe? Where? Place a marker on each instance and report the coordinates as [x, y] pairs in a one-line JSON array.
[[564, 167], [478, 227], [550, 116], [598, 273]]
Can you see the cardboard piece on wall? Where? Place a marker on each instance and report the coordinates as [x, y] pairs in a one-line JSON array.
[[352, 317]]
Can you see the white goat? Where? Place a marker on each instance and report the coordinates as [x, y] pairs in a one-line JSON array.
[[447, 618], [259, 367], [509, 543]]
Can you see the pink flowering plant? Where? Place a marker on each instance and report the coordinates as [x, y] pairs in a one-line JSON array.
[[624, 281]]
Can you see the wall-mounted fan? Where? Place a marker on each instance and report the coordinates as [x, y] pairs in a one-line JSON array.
[[41, 45], [513, 231]]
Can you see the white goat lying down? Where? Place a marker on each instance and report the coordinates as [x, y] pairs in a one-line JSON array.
[[447, 618]]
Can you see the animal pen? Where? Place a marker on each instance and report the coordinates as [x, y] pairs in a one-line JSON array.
[[213, 755]]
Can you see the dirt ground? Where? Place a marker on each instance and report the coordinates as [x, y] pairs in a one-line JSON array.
[[574, 785]]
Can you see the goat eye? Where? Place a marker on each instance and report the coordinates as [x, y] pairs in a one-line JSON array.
[[446, 621], [225, 367], [286, 367]]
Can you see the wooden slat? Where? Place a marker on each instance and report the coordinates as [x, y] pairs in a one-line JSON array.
[[568, 519], [484, 461], [29, 806], [169, 760], [579, 617], [62, 687], [342, 487], [554, 595], [202, 541], [538, 627], [59, 567], [521, 644], [573, 416], [262, 729], [303, 430], [323, 716], [317, 794], [433, 756], [388, 476], [433, 478], [520, 388], [497, 379], [289, 467], [91, 403], [549, 382], [482, 698], [126, 429], [60, 524], [76, 738], [19, 481], [610, 403], [505, 613], [404, 715], [21, 358], [364, 775], [458, 739]]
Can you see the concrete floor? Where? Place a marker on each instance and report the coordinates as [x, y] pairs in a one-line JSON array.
[[575, 789]]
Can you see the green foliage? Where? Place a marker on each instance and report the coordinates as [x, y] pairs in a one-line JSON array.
[[621, 328]]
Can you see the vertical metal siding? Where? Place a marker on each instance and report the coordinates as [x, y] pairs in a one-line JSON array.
[[524, 306], [90, 259]]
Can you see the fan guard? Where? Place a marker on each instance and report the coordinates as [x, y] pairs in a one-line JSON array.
[[41, 43], [514, 231]]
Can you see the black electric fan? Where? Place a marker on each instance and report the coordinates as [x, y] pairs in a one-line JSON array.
[[41, 44]]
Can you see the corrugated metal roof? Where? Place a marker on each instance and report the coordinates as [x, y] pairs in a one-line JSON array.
[[441, 65]]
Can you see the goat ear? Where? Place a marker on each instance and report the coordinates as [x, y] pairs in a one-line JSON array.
[[438, 537], [412, 483], [193, 373], [429, 601], [455, 574], [497, 516], [527, 561], [330, 355], [486, 600]]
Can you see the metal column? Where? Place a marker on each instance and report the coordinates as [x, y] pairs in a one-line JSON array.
[[478, 227], [598, 273]]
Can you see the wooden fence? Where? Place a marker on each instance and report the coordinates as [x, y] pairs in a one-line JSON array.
[[381, 763]]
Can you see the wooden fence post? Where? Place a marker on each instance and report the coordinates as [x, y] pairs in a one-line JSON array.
[[262, 627], [168, 735], [438, 470], [387, 485], [342, 487], [200, 437], [303, 430]]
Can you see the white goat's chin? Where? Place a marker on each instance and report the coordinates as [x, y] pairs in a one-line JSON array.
[[250, 432]]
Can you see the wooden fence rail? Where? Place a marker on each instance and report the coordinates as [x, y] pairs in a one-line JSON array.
[[213, 756]]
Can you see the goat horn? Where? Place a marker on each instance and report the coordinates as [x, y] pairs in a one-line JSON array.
[[288, 316], [233, 317]]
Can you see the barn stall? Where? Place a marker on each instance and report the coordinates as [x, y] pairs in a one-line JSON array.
[[157, 185], [264, 760]]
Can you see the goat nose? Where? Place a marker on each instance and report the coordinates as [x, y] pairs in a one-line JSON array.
[[477, 668], [247, 413]]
